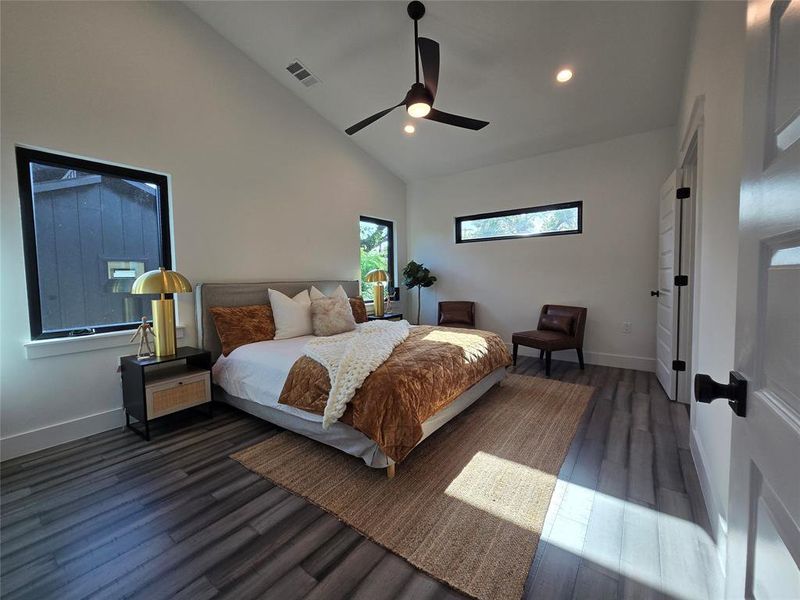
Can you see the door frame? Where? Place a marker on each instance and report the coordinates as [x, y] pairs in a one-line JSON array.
[[691, 150], [693, 134], [687, 211]]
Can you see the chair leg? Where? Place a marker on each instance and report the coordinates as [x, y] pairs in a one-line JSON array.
[[547, 358], [541, 354], [580, 357], [516, 347]]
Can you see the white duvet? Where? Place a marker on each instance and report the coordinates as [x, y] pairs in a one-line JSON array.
[[257, 372]]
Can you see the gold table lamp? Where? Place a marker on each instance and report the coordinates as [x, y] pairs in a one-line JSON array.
[[163, 282], [378, 277]]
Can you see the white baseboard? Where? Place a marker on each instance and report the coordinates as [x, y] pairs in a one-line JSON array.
[[719, 526], [53, 435], [603, 359]]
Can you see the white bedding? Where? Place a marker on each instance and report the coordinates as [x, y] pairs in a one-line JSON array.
[[257, 372], [253, 376]]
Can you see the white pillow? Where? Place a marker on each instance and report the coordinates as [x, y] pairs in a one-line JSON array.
[[292, 315], [337, 293]]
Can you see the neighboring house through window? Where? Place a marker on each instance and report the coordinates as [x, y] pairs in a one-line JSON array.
[[89, 230], [377, 252]]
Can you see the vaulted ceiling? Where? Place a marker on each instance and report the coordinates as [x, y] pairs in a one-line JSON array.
[[498, 63]]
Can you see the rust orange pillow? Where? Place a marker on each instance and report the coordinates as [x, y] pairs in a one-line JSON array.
[[359, 309], [240, 325]]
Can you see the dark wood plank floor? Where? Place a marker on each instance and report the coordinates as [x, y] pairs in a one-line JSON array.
[[111, 516]]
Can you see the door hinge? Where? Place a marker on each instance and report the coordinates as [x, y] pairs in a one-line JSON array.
[[678, 365], [681, 280], [682, 193]]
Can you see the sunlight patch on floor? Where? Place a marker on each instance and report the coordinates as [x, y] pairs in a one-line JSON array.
[[500, 487], [663, 552], [628, 539], [474, 347]]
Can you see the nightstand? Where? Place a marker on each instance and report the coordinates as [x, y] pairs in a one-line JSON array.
[[387, 317], [161, 385]]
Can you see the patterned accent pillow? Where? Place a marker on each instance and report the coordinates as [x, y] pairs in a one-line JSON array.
[[240, 325], [330, 316], [359, 309], [560, 323]]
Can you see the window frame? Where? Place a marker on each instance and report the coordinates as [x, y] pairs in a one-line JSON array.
[[519, 211], [395, 295], [25, 156]]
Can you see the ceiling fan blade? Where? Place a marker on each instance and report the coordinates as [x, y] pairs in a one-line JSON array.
[[370, 120], [429, 55], [458, 121]]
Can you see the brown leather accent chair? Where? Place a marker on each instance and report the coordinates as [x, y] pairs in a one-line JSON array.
[[456, 313], [560, 328]]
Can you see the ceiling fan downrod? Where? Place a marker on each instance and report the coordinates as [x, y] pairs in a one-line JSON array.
[[416, 10]]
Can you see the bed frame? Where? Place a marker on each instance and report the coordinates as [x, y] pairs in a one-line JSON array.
[[339, 435]]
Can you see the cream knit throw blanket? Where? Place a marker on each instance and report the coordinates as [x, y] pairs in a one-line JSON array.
[[350, 357]]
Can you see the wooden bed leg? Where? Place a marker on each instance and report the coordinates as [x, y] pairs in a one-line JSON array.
[[390, 471]]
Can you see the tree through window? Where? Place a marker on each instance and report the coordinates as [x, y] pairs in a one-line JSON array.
[[377, 252], [552, 219]]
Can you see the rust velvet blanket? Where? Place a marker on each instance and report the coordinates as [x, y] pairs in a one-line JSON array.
[[424, 374]]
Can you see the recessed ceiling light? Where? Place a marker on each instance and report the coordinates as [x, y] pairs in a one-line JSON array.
[[564, 75], [409, 129]]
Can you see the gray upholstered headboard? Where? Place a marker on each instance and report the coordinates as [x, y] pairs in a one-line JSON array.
[[241, 294]]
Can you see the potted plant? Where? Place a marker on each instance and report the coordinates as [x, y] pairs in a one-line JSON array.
[[417, 275]]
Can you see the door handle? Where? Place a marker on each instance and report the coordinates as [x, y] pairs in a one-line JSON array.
[[735, 391], [655, 293]]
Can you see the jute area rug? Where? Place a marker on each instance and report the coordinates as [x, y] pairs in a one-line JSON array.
[[467, 506]]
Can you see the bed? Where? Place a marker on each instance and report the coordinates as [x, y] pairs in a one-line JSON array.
[[252, 377]]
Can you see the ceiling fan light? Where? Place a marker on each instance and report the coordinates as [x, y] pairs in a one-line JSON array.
[[419, 109], [564, 75]]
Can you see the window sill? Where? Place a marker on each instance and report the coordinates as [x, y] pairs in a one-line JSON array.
[[87, 343]]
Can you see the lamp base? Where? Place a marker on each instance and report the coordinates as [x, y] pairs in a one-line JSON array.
[[164, 327], [377, 293]]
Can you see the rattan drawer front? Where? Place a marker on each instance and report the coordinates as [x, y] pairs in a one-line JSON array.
[[177, 394]]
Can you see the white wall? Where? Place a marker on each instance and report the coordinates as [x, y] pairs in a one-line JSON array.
[[262, 187], [609, 268], [715, 72]]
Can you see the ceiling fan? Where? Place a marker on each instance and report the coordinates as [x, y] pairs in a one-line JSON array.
[[419, 99]]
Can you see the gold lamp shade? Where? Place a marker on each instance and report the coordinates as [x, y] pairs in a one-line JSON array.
[[161, 281], [378, 277]]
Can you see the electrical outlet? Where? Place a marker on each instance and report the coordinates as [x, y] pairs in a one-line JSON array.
[[626, 327]]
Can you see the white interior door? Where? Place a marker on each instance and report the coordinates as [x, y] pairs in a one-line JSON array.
[[666, 315], [764, 511]]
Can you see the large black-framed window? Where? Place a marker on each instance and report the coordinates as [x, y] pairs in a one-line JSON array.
[[89, 229], [565, 218], [377, 252]]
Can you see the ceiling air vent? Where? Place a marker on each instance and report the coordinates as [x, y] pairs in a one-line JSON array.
[[302, 74]]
